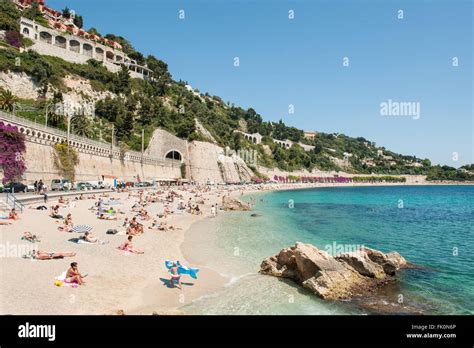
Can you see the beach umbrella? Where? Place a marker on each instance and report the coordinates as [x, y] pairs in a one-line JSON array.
[[81, 228]]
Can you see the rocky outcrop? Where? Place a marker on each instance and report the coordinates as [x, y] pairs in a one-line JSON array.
[[233, 204], [334, 278]]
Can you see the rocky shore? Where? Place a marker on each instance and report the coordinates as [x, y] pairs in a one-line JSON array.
[[340, 277]]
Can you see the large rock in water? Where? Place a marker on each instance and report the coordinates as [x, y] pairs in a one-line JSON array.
[[333, 278], [234, 204]]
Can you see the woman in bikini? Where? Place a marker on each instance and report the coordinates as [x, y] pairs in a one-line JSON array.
[[45, 255], [13, 215], [128, 246], [68, 224], [30, 237], [73, 275]]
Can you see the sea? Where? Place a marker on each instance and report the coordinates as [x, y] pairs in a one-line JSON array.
[[431, 226]]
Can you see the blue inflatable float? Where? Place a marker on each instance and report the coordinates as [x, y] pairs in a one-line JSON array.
[[182, 269]]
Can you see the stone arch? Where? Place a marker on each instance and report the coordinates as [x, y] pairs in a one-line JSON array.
[[174, 155], [118, 59], [46, 37], [25, 31], [110, 55], [87, 50], [60, 42], [75, 46], [99, 53]]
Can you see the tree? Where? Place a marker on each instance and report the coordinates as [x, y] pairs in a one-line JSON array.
[[81, 125], [33, 12], [7, 100], [146, 111], [42, 71], [93, 31], [9, 16], [66, 12], [185, 127], [79, 21], [123, 81]]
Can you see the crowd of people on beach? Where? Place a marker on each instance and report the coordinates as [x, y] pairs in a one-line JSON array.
[[133, 222]]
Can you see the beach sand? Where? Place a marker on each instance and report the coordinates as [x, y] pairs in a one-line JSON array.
[[116, 281]]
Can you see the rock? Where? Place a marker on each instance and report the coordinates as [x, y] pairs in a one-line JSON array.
[[361, 262], [334, 278], [235, 205]]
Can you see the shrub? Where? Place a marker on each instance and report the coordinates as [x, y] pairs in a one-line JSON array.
[[65, 160], [12, 148]]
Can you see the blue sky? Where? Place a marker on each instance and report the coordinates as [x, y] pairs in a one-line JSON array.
[[299, 62]]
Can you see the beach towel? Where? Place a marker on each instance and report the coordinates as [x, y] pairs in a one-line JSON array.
[[82, 241], [182, 269], [60, 281], [81, 228], [112, 203]]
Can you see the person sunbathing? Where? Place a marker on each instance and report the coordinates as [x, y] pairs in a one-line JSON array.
[[55, 212], [128, 246], [106, 217], [13, 215], [68, 224], [62, 200], [73, 276], [30, 237], [144, 215], [45, 255], [2, 222], [135, 227]]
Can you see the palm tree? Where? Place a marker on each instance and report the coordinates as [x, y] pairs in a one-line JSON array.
[[81, 125], [7, 100]]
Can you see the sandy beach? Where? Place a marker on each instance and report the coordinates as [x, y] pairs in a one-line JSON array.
[[116, 281]]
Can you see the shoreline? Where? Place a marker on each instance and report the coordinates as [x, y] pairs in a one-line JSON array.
[[132, 283]]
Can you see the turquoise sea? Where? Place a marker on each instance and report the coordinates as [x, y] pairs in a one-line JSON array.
[[431, 226]]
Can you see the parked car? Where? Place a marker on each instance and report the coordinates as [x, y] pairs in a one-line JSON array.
[[31, 187], [60, 185], [15, 187], [99, 184], [143, 184], [84, 186]]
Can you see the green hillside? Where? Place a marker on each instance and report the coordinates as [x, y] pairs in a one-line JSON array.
[[137, 105]]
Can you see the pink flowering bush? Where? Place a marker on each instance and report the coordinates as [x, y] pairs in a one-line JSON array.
[[12, 148]]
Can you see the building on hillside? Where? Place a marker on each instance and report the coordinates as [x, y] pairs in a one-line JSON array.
[[63, 39], [310, 135]]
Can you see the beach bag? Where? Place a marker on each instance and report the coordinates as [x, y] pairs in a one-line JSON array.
[[112, 231]]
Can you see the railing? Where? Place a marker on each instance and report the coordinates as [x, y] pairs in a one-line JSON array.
[[13, 202], [129, 155]]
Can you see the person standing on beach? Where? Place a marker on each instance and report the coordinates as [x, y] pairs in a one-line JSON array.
[[175, 276], [100, 206], [213, 211]]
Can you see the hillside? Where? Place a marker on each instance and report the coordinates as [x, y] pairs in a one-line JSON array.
[[34, 85]]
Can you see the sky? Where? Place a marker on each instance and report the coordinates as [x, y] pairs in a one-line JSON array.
[[299, 61]]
